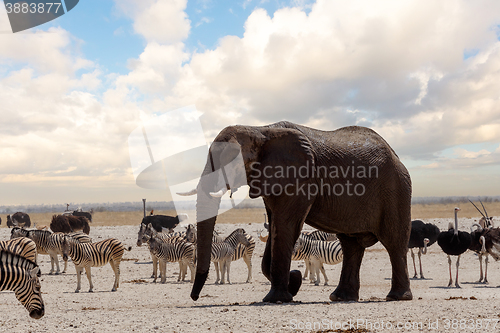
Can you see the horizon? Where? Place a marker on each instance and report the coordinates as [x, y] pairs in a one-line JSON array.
[[75, 89]]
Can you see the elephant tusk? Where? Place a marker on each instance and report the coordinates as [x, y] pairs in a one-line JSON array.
[[185, 194], [219, 194]]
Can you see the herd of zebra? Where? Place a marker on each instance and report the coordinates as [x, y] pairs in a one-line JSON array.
[[19, 271]]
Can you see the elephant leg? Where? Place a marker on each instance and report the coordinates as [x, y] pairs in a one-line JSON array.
[[266, 258], [284, 230], [348, 287], [400, 283]]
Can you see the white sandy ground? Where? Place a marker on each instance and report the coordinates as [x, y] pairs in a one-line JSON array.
[[142, 306]]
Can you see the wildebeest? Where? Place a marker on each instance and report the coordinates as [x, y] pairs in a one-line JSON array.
[[163, 221], [19, 219], [79, 212], [69, 223]]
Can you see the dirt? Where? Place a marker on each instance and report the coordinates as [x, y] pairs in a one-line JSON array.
[[142, 306]]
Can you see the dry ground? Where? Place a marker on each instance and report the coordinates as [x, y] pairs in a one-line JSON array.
[[142, 306]]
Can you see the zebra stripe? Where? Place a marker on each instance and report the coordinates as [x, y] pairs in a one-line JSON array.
[[21, 276], [319, 253], [224, 252], [242, 251], [319, 235], [46, 243], [80, 237], [147, 231], [87, 255], [23, 246], [173, 251]]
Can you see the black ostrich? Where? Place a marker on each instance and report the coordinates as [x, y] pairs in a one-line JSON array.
[[454, 243], [422, 235]]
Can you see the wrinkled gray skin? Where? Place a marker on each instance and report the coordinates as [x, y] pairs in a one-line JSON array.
[[382, 213]]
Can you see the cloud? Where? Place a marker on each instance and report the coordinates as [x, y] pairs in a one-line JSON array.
[[397, 67], [162, 21], [403, 68]]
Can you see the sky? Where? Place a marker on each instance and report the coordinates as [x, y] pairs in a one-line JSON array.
[[424, 74]]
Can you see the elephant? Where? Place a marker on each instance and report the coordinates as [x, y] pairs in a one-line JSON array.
[[348, 181]]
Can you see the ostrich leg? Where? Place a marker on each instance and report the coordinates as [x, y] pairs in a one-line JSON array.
[[414, 267], [420, 262], [456, 279], [480, 257], [449, 266], [486, 269]]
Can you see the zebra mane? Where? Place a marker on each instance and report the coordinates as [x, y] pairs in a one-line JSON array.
[[16, 259]]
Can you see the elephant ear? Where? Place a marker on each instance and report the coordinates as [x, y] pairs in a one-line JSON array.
[[286, 158]]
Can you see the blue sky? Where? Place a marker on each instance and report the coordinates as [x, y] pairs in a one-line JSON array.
[[101, 27], [423, 74]]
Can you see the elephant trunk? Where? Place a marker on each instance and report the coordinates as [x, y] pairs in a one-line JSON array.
[[207, 208], [204, 251]]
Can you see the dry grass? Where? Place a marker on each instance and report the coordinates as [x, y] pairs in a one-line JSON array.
[[446, 211], [256, 215]]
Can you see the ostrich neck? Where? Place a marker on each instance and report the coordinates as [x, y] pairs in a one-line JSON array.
[[424, 250], [456, 223]]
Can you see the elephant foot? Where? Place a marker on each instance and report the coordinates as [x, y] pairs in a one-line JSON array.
[[275, 296], [343, 296], [394, 296], [294, 282]]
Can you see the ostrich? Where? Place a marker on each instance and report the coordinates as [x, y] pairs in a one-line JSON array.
[[422, 235], [477, 235], [454, 243]]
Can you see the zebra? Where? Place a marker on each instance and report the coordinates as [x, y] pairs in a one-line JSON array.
[[21, 276], [23, 246], [319, 235], [87, 255], [80, 236], [319, 253], [314, 235], [242, 250], [46, 243], [145, 233], [176, 251], [224, 252]]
